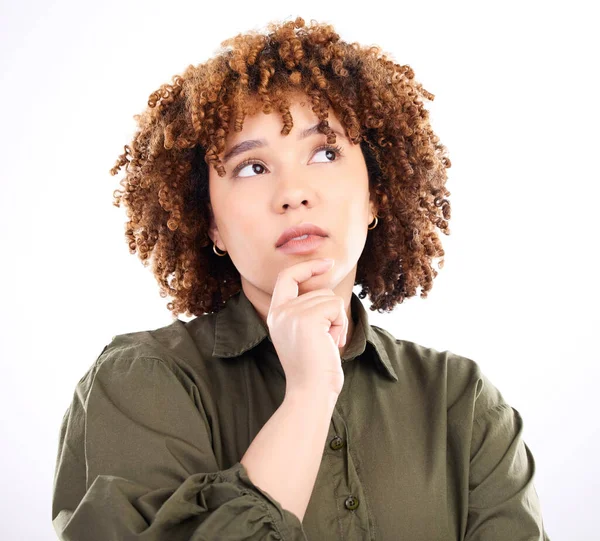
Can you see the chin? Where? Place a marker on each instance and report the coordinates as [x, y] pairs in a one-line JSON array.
[[315, 282]]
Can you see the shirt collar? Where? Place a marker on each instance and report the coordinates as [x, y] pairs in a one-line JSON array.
[[240, 328]]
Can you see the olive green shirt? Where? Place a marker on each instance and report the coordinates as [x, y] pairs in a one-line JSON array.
[[421, 446]]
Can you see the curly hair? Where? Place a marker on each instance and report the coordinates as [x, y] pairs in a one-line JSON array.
[[184, 128]]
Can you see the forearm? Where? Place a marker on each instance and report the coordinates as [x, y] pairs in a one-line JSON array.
[[284, 457]]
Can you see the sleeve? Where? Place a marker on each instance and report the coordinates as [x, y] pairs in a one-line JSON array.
[[135, 462], [503, 502]]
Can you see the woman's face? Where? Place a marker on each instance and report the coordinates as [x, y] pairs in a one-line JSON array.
[[290, 181]]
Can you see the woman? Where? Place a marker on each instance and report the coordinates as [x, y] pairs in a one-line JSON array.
[[266, 183]]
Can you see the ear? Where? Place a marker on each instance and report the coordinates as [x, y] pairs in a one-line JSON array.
[[213, 231], [373, 209]]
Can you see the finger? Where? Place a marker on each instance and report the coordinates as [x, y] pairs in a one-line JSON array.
[[286, 287]]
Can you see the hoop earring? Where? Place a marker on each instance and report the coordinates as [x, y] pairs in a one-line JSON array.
[[215, 251], [376, 222]]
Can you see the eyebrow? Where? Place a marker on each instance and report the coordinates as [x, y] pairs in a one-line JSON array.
[[250, 144]]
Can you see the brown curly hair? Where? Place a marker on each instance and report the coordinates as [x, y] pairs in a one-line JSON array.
[[185, 126]]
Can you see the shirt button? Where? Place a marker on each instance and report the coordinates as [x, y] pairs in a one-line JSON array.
[[351, 502], [336, 443]]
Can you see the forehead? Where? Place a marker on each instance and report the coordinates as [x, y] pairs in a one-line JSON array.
[[300, 109]]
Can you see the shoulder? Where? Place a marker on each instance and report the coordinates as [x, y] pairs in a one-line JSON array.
[[457, 377], [178, 341], [176, 351]]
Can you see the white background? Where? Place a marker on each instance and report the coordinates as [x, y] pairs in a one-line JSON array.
[[516, 103]]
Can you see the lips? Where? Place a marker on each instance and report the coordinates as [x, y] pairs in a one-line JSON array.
[[299, 230]]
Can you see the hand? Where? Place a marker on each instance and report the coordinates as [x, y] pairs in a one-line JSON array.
[[308, 330]]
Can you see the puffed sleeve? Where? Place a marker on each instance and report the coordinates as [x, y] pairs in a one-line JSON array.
[[135, 462], [503, 502]]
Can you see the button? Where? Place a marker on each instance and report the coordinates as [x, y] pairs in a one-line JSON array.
[[336, 443], [351, 502]]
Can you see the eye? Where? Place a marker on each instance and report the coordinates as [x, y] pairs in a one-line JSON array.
[[243, 166], [330, 150]]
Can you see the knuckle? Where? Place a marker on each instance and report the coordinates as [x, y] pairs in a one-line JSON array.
[[273, 316]]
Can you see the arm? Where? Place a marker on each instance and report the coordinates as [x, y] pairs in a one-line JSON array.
[[135, 461], [503, 502], [288, 472]]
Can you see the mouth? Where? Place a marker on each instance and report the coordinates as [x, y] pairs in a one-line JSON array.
[[299, 231], [302, 245]]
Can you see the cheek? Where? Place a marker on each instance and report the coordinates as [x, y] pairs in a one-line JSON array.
[[246, 227]]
